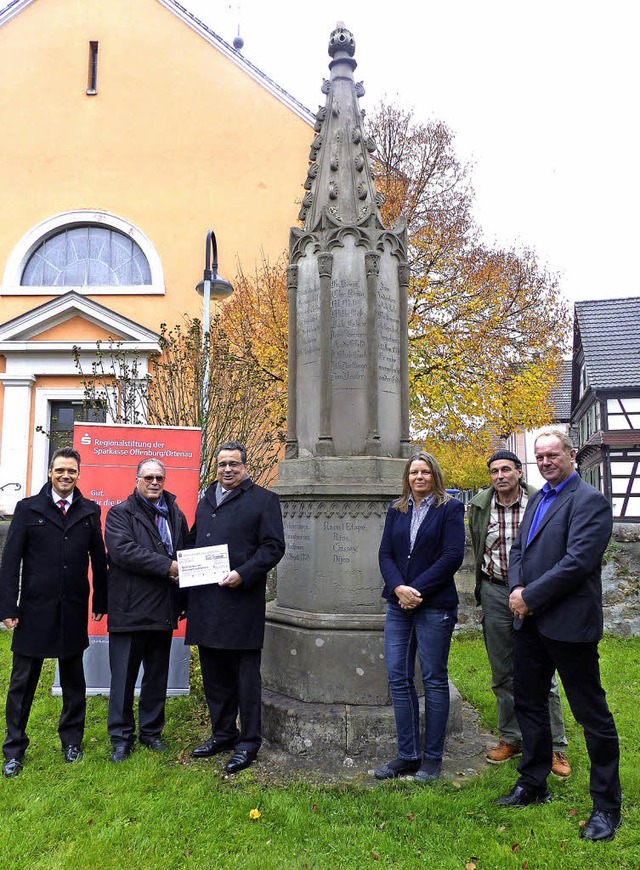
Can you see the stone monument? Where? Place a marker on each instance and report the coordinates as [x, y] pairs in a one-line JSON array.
[[347, 441]]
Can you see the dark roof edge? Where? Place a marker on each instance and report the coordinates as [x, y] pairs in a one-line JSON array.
[[607, 301]]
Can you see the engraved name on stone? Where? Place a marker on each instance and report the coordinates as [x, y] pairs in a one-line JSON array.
[[348, 331], [308, 302], [344, 538], [298, 541], [389, 337]]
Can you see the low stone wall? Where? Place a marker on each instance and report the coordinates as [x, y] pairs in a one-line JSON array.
[[620, 584]]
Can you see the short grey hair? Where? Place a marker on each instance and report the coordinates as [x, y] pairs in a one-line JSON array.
[[552, 432], [147, 461]]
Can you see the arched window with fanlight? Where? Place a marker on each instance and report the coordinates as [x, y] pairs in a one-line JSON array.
[[87, 256], [89, 251]]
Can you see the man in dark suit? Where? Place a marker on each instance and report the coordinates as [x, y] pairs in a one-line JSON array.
[[51, 538], [556, 597], [143, 535], [226, 619]]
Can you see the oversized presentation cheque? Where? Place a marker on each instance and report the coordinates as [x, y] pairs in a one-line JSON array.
[[203, 565]]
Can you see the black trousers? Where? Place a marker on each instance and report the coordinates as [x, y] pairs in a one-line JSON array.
[[536, 657], [233, 685], [127, 651], [22, 688]]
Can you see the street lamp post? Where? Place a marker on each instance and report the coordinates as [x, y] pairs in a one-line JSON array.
[[211, 285]]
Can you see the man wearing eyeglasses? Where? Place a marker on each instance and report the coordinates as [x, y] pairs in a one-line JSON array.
[[226, 619], [556, 598], [143, 535], [44, 597]]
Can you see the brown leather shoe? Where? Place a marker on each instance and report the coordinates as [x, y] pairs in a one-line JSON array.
[[560, 766], [503, 752]]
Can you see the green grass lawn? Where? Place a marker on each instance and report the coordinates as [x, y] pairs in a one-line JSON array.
[[167, 811]]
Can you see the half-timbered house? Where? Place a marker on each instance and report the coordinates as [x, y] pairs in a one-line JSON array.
[[605, 401]]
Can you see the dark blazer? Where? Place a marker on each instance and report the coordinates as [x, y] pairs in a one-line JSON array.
[[54, 552], [561, 567], [249, 521], [437, 554], [141, 596]]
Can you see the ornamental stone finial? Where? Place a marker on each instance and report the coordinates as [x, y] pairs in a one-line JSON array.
[[341, 40]]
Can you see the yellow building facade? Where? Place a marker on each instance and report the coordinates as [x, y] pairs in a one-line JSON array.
[[129, 131]]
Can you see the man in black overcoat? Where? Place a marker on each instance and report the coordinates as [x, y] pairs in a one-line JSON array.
[[143, 535], [556, 597], [51, 539], [226, 619]]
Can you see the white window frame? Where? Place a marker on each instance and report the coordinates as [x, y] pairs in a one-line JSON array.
[[21, 253]]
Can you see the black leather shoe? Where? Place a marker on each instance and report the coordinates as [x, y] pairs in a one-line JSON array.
[[120, 753], [602, 825], [12, 767], [154, 744], [212, 747], [71, 752], [523, 796], [240, 759], [398, 767]]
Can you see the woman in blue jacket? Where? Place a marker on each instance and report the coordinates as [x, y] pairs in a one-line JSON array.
[[422, 547]]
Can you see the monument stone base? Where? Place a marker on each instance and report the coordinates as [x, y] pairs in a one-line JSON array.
[[304, 728]]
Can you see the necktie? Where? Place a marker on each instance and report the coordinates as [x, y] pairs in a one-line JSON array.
[[63, 505]]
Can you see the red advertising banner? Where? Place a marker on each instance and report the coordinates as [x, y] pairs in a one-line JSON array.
[[110, 455]]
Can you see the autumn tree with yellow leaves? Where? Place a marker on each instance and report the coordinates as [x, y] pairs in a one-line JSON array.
[[487, 327]]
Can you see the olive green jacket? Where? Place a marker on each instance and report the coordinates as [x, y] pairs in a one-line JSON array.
[[478, 517]]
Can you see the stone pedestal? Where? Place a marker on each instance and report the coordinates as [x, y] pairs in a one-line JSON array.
[[304, 728]]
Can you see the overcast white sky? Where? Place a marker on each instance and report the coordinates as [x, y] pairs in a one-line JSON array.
[[542, 97]]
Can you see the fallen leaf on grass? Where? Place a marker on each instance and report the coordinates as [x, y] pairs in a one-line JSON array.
[[90, 822], [573, 812], [314, 808], [382, 826], [515, 847], [470, 866], [375, 856], [411, 816], [581, 823], [502, 828]]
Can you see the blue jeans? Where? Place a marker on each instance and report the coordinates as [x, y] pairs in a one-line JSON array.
[[427, 632]]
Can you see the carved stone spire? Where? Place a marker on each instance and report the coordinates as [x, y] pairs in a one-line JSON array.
[[339, 181], [348, 279]]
